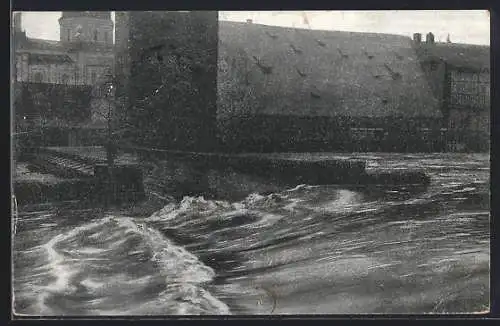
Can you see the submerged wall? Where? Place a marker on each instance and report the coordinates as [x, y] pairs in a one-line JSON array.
[[289, 133]]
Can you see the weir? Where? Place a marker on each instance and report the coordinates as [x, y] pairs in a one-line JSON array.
[[140, 171], [287, 169]]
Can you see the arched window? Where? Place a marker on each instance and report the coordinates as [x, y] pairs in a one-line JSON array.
[[95, 35], [38, 77]]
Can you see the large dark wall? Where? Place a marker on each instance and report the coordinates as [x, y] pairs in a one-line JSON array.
[[172, 83], [273, 133]]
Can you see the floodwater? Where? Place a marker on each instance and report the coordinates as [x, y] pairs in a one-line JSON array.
[[307, 250]]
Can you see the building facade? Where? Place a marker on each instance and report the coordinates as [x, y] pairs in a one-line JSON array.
[[460, 77], [468, 109], [57, 83], [84, 52]]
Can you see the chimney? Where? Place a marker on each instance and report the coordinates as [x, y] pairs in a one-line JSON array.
[[429, 39], [417, 38], [249, 21]]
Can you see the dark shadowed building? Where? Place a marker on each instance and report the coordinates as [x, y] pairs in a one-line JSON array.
[[53, 80], [167, 65], [287, 89], [460, 76], [295, 89]]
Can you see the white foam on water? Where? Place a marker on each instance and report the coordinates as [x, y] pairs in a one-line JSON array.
[[91, 284], [253, 200], [28, 218], [468, 214], [293, 205], [266, 220], [302, 187], [176, 265], [383, 265], [35, 249], [179, 214], [59, 270], [179, 266], [91, 250], [346, 201], [187, 299], [47, 225]]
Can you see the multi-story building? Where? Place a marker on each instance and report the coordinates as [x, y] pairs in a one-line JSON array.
[[83, 53], [460, 77], [55, 82]]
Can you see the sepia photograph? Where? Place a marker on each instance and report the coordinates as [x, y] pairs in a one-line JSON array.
[[250, 163]]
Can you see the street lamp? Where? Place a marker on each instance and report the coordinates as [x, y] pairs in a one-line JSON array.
[[111, 147]]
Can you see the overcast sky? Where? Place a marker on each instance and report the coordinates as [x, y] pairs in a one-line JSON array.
[[463, 26]]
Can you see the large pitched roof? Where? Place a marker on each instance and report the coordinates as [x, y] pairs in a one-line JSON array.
[[476, 57], [291, 71]]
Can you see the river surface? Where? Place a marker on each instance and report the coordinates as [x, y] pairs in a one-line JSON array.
[[306, 250]]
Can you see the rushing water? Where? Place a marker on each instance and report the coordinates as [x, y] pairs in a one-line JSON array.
[[306, 250]]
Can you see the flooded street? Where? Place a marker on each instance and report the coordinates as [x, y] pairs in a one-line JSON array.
[[307, 250]]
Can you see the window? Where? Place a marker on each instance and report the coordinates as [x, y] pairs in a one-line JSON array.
[[484, 89], [69, 33], [95, 35], [65, 79], [38, 77], [93, 77], [106, 37]]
